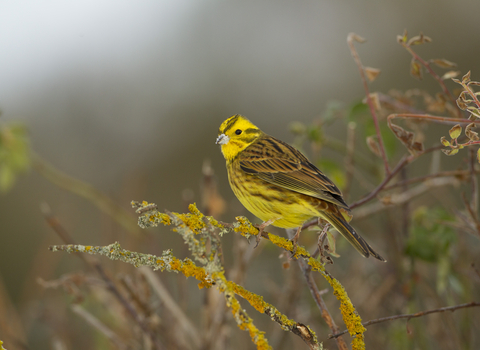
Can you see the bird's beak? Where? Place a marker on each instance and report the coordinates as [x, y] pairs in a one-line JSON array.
[[222, 139]]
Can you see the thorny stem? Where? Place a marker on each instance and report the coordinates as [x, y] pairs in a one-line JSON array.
[[409, 316], [350, 39]]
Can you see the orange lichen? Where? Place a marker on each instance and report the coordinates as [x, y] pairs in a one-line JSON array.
[[352, 320], [193, 220], [188, 268], [244, 322]]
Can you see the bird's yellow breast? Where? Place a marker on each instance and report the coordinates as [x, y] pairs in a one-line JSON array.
[[269, 202]]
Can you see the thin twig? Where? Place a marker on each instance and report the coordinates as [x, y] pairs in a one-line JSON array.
[[451, 173], [433, 74], [349, 159], [63, 234], [404, 161], [474, 179], [350, 40], [409, 316], [100, 326], [404, 197], [312, 286], [87, 191], [441, 120], [188, 329]]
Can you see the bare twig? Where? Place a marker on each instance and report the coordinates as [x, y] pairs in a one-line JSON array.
[[433, 74], [349, 159], [98, 325], [63, 234], [404, 197], [318, 297], [189, 331], [452, 173], [474, 180], [436, 119], [409, 316], [87, 191], [350, 40], [404, 161]]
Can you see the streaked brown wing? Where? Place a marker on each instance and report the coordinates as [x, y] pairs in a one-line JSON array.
[[280, 164]]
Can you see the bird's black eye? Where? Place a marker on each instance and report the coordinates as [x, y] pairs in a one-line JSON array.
[[238, 132]]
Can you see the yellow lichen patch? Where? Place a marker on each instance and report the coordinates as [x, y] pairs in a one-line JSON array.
[[193, 220], [255, 300], [352, 320], [261, 306], [245, 227], [244, 322], [160, 217], [189, 269]]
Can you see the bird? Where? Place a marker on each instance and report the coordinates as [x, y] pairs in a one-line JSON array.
[[279, 185]]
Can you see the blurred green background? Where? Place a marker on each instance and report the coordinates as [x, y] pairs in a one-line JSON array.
[[128, 96]]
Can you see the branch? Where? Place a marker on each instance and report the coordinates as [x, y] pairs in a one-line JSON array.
[[317, 296], [435, 76], [87, 191], [350, 39], [415, 315]]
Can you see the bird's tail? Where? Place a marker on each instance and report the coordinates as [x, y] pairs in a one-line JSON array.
[[347, 231]]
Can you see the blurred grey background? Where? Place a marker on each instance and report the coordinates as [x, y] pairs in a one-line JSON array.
[[129, 95]]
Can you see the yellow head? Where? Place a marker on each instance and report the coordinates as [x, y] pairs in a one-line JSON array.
[[235, 134]]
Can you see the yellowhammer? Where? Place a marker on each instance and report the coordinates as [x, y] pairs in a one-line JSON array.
[[278, 184]]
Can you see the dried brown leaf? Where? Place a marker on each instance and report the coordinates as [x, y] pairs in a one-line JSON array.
[[357, 38], [455, 131], [474, 111], [416, 69], [376, 101], [450, 74], [419, 39], [461, 104], [372, 143], [443, 63], [466, 78], [417, 147], [406, 137], [371, 73], [472, 135]]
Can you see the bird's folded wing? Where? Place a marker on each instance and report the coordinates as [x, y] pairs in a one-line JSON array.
[[280, 164]]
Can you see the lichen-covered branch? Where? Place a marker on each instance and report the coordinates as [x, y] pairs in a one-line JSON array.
[[196, 222], [195, 228]]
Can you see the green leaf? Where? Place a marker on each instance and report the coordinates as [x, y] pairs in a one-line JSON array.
[[331, 245], [455, 132], [444, 141], [443, 63], [416, 69], [450, 152]]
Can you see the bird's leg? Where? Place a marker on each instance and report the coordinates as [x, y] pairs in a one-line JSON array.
[[321, 238], [261, 227], [295, 239]]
